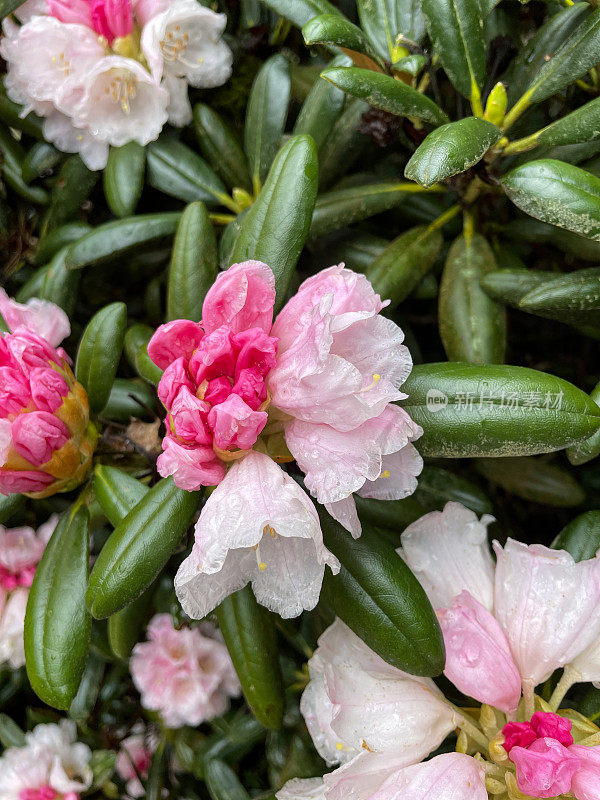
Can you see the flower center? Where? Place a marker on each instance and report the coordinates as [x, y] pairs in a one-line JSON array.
[[267, 531], [121, 89], [174, 45], [63, 63]]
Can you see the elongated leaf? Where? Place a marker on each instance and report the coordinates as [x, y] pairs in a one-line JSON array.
[[193, 267], [581, 537], [8, 6], [590, 448], [55, 240], [57, 623], [472, 326], [576, 291], [179, 172], [509, 286], [222, 782], [556, 192], [128, 398], [99, 353], [377, 596], [456, 28], [11, 735], [533, 480], [275, 228], [337, 31], [393, 515], [71, 188], [389, 22], [384, 92], [117, 492], [54, 282], [404, 262], [344, 145], [9, 505], [40, 160], [220, 147], [120, 238], [451, 149], [322, 107], [437, 486], [468, 410], [123, 178], [265, 116], [299, 12], [139, 547], [249, 634], [582, 125]]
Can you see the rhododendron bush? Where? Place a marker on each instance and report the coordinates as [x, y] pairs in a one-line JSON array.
[[300, 399]]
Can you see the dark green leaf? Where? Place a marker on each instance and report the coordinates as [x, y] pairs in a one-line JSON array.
[[299, 12], [10, 504], [220, 147], [581, 537], [389, 23], [128, 398], [322, 107], [437, 486], [179, 172], [573, 292], [344, 145], [590, 448], [117, 492], [55, 240], [533, 480], [334, 30], [99, 353], [72, 187], [222, 782], [123, 178]]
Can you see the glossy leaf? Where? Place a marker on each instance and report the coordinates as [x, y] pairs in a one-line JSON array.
[[322, 107], [388, 22], [275, 228], [467, 410], [404, 262], [299, 12], [49, 245], [456, 28], [179, 172], [99, 353], [123, 178], [437, 486], [266, 115], [344, 145], [54, 282], [558, 193], [121, 238], [472, 325], [249, 634], [377, 596], [193, 267], [451, 149], [57, 623], [590, 448], [40, 160], [72, 187], [128, 398], [334, 30], [220, 147], [139, 547], [222, 782], [10, 504], [534, 480], [117, 492], [393, 515], [382, 91], [581, 537], [573, 292]]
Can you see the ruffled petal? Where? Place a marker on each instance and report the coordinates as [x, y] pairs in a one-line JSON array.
[[242, 297], [39, 316]]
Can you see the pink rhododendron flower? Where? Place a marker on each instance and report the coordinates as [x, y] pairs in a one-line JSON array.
[[545, 768], [134, 759], [186, 675], [105, 72], [51, 764], [585, 784], [237, 384], [20, 551], [46, 440]]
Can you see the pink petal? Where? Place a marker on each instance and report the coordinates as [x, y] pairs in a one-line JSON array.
[[175, 378], [38, 316], [451, 776], [191, 467], [478, 659], [344, 511], [37, 435], [586, 781], [188, 418], [19, 482], [398, 478], [242, 297], [177, 339], [235, 425], [48, 388], [545, 768], [552, 726]]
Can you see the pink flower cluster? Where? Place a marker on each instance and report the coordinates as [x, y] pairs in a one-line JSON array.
[[186, 675], [106, 72], [134, 759], [244, 393], [20, 551], [46, 443]]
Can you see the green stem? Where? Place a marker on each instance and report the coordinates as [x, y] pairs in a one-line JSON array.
[[444, 218], [519, 108], [568, 678], [522, 145]]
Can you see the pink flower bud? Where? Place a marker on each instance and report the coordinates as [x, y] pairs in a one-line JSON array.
[[234, 424], [48, 388], [15, 393], [37, 435], [112, 18], [177, 339], [71, 11], [545, 768], [552, 726], [586, 781], [518, 734]]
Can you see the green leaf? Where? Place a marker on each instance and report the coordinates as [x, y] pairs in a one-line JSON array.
[[558, 193], [87, 695], [397, 270], [437, 486], [57, 623], [222, 782], [10, 113], [13, 157], [575, 291], [392, 515], [412, 64], [322, 107], [451, 149], [11, 735], [40, 160], [456, 28], [99, 353], [121, 238], [10, 504], [125, 626], [382, 91], [220, 147], [344, 145], [389, 23], [193, 267], [179, 172], [117, 492], [276, 226], [590, 448], [509, 286], [299, 12], [266, 115], [582, 125], [468, 411], [8, 6], [128, 398], [72, 187], [334, 30], [49, 245], [249, 634], [139, 547], [534, 480], [472, 325], [123, 178], [54, 282], [136, 350], [377, 596], [581, 537], [339, 208]]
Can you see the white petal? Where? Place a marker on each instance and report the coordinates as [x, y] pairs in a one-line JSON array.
[[344, 511], [448, 552], [451, 776], [302, 789], [179, 108], [59, 129], [398, 478]]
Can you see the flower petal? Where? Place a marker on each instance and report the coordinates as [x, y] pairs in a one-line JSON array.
[[39, 316], [242, 297]]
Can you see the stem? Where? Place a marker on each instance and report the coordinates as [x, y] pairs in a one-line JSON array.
[[228, 202], [222, 219], [522, 145], [476, 106], [568, 678], [444, 218], [469, 727], [468, 225], [529, 697], [519, 108]]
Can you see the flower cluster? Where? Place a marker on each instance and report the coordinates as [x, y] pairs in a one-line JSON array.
[[51, 764], [243, 392], [506, 629], [134, 759], [106, 72], [186, 674], [46, 439], [20, 552]]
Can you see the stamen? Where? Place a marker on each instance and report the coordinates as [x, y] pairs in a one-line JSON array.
[[385, 474]]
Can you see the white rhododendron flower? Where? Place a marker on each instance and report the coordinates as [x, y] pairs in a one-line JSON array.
[[113, 71]]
